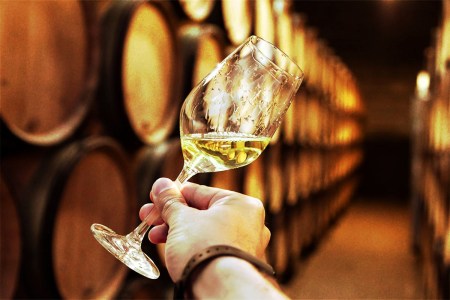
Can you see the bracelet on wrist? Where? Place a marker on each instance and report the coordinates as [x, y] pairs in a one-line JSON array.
[[202, 258]]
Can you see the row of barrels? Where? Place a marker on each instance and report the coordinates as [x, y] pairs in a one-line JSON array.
[[431, 163], [312, 123], [91, 92], [313, 173], [123, 68]]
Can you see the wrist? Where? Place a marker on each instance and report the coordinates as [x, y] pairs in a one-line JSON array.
[[221, 270], [229, 277]]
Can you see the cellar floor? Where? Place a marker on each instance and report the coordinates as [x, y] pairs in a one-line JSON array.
[[367, 254]]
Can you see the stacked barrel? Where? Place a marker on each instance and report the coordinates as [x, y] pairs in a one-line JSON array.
[[431, 163], [311, 169], [91, 93]]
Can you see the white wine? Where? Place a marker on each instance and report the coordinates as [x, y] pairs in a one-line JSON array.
[[213, 152]]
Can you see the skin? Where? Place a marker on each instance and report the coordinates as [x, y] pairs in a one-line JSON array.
[[199, 216]]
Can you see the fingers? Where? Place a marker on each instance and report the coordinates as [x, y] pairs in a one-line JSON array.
[[202, 197], [168, 199], [158, 234], [145, 210]]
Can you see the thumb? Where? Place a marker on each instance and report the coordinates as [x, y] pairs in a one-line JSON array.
[[168, 199]]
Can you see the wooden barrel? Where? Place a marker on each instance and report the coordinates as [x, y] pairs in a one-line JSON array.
[[10, 242], [83, 183], [202, 48], [139, 84], [48, 71]]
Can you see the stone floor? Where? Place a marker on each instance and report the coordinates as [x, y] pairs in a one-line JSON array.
[[366, 255]]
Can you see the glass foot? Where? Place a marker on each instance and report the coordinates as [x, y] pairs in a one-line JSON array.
[[126, 250]]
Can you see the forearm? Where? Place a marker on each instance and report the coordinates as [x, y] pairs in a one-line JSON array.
[[234, 278]]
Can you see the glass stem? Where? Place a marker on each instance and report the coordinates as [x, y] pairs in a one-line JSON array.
[[185, 174], [138, 234]]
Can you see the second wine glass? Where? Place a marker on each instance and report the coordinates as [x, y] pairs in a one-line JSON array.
[[226, 122]]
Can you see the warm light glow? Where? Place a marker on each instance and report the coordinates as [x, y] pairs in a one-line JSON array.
[[147, 69], [238, 21], [279, 6], [264, 20], [198, 10], [422, 84]]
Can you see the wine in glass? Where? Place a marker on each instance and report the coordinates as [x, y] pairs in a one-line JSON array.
[[226, 121]]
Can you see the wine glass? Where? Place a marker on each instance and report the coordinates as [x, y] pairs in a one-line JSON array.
[[225, 122]]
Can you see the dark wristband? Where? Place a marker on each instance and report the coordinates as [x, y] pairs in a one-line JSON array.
[[204, 257]]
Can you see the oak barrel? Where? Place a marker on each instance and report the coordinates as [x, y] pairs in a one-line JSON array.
[[48, 71], [82, 183], [139, 83]]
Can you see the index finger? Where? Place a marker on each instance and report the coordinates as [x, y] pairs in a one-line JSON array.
[[202, 196]]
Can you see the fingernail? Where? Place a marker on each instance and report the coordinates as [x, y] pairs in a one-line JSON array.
[[161, 185]]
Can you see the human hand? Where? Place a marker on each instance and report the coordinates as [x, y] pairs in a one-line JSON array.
[[199, 216]]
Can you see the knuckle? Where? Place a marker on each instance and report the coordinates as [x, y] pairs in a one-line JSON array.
[[255, 203], [258, 207], [169, 203]]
